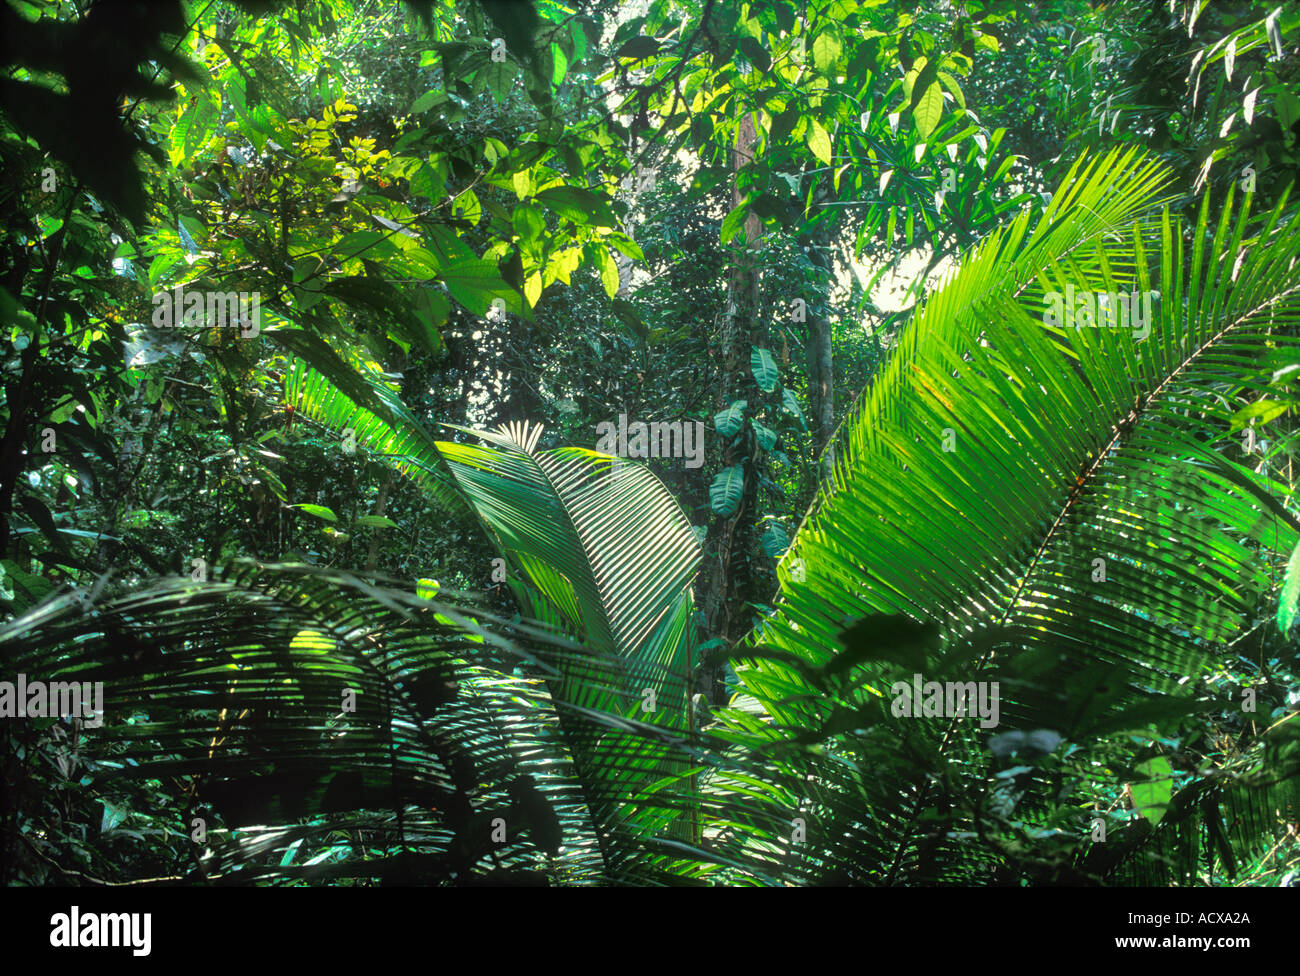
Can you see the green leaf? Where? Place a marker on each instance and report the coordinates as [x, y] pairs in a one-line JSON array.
[[774, 541], [629, 247], [475, 283], [112, 816], [726, 490], [447, 247], [629, 315], [826, 52], [1261, 411], [376, 522], [1151, 798], [568, 518], [428, 100], [429, 309], [312, 642], [766, 436], [608, 269], [927, 109], [755, 53], [320, 511], [500, 78], [763, 366], [638, 47], [819, 141], [728, 422], [28, 589], [790, 404], [949, 82], [529, 224], [578, 205], [1286, 608], [734, 222]]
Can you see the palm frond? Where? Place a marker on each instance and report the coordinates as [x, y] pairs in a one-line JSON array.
[[1064, 506]]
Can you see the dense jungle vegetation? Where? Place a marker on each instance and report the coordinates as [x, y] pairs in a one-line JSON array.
[[782, 442]]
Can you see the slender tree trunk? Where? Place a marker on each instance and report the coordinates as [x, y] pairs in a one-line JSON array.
[[821, 376], [726, 578], [372, 556]]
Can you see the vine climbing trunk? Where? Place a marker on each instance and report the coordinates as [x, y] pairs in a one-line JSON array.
[[727, 580]]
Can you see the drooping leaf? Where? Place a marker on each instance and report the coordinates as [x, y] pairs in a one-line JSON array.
[[764, 368], [728, 422], [726, 490]]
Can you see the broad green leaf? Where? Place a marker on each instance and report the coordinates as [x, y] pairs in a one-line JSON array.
[[475, 283], [819, 141], [766, 436], [629, 247], [928, 109], [447, 247], [726, 490], [774, 541], [1151, 797], [529, 224], [608, 269], [734, 222], [559, 65], [578, 205], [638, 47], [954, 88], [763, 366], [28, 589], [1261, 411], [500, 78], [320, 511], [728, 422], [427, 101], [826, 51], [790, 404]]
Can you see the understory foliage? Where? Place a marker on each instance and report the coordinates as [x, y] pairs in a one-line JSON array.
[[368, 607]]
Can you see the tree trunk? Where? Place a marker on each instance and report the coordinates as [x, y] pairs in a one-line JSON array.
[[726, 576], [821, 376]]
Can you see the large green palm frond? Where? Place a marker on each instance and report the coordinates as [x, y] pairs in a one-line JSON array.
[[369, 408], [306, 711], [600, 547], [602, 539], [610, 552], [324, 726], [1064, 510]]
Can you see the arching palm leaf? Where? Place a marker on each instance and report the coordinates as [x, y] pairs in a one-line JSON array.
[[312, 709], [1067, 509]]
